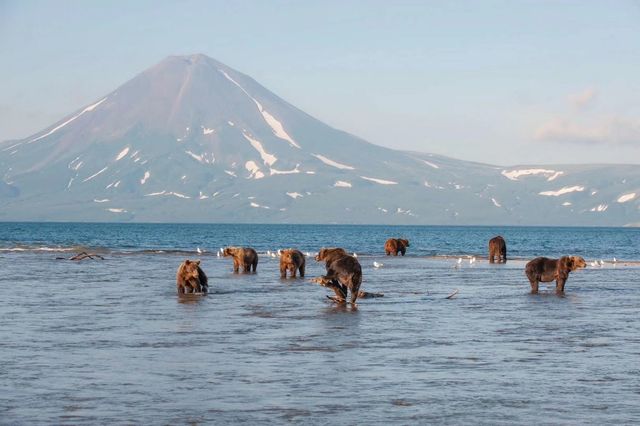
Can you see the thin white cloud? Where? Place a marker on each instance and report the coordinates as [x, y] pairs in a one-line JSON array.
[[584, 98], [611, 131]]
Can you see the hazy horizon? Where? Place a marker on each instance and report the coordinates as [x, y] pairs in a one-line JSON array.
[[492, 82]]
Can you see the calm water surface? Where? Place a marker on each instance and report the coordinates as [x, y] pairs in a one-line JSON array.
[[110, 342]]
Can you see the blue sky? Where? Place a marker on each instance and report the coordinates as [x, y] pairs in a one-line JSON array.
[[505, 82]]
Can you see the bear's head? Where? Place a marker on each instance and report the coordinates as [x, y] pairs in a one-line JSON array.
[[405, 242], [229, 251], [571, 263], [190, 271], [286, 256], [325, 253]]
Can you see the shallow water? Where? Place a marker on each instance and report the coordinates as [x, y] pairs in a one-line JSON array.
[[110, 341]]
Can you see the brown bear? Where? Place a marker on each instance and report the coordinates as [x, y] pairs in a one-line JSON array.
[[244, 257], [497, 249], [344, 273], [291, 260], [190, 278], [396, 245], [542, 269]]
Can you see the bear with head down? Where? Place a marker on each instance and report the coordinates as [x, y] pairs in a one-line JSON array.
[[344, 274], [190, 278]]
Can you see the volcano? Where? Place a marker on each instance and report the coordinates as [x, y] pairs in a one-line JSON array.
[[193, 140]]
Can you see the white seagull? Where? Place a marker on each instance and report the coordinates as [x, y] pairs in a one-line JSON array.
[[199, 250], [377, 265]]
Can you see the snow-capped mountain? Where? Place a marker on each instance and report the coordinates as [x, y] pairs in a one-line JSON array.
[[192, 140]]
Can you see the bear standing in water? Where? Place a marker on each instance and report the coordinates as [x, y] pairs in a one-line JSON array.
[[291, 260], [393, 246], [190, 278], [497, 249], [542, 269], [344, 274], [243, 257]]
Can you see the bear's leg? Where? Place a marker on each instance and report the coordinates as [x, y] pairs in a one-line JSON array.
[[403, 251], [236, 266], [283, 271], [338, 289], [292, 269], [255, 265], [388, 252], [301, 271], [534, 285], [355, 289]]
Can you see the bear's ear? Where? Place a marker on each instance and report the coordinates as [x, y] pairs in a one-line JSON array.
[[186, 262], [197, 262]]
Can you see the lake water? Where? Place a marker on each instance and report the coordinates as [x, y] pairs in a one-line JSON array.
[[111, 342]]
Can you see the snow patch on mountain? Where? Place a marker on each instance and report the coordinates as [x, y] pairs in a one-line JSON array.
[[562, 191], [253, 168], [103, 200], [203, 158], [55, 129], [144, 179], [294, 195], [268, 159], [75, 164], [256, 205], [275, 125], [600, 208], [553, 177], [330, 162], [626, 197], [122, 154], [284, 172], [95, 174], [114, 210], [495, 203], [380, 181], [206, 130], [342, 184], [515, 174], [430, 164]]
